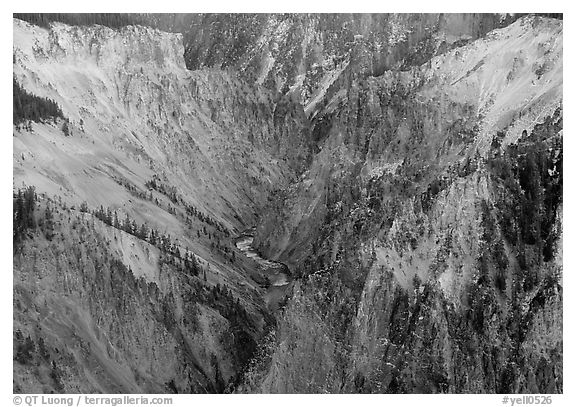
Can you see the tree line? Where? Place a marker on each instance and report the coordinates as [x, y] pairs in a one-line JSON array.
[[29, 107], [171, 193], [162, 241], [29, 216], [25, 220], [112, 20], [24, 204]]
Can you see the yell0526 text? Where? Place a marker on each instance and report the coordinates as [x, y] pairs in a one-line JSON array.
[[526, 399]]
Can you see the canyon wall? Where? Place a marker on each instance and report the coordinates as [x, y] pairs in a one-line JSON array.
[[427, 231]]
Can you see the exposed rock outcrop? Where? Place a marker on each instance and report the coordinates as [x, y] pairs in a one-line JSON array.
[[427, 230], [407, 169]]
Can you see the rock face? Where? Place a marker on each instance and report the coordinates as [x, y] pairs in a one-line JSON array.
[[307, 55], [129, 89], [427, 229], [84, 322], [190, 156], [407, 169]]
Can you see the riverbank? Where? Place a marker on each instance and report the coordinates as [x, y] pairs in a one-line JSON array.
[[274, 276]]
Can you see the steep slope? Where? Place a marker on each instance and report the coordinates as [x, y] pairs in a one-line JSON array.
[[131, 100], [170, 165], [307, 54], [151, 140], [429, 119], [427, 231], [406, 168], [86, 322]]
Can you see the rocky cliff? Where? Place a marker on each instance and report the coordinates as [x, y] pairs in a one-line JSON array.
[[427, 230], [85, 322], [127, 94], [406, 168], [308, 55], [154, 169]]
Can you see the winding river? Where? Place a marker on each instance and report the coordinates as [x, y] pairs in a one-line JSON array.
[[276, 275]]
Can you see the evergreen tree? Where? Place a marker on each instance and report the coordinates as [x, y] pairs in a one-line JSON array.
[[66, 128], [28, 107], [23, 214], [48, 223], [24, 349], [143, 232], [127, 224]]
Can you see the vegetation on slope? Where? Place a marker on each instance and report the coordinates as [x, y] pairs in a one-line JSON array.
[[112, 20], [431, 262], [29, 107], [70, 251]]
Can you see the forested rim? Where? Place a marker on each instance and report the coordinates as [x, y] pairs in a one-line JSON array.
[[228, 35], [113, 20], [116, 20]]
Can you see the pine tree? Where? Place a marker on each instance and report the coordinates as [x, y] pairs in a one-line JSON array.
[[127, 225], [66, 128], [28, 107], [25, 350], [43, 350], [49, 223], [143, 233]]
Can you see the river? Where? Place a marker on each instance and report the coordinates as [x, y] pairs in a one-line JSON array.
[[276, 275]]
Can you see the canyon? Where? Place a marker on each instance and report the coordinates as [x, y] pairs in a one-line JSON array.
[[290, 204]]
